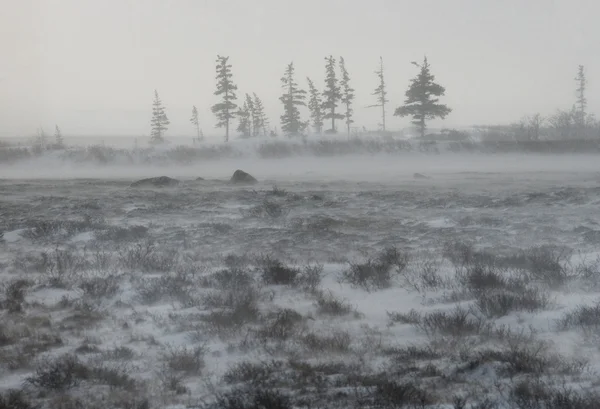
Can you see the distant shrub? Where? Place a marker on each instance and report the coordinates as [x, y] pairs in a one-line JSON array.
[[253, 373], [376, 273], [147, 258], [584, 317], [309, 278], [14, 296], [253, 399], [499, 303], [329, 304], [101, 286], [15, 399], [187, 360], [175, 287], [267, 210], [67, 371], [274, 272], [281, 325], [335, 342], [457, 323], [121, 234]]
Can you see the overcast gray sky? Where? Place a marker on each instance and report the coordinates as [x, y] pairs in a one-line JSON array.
[[91, 66]]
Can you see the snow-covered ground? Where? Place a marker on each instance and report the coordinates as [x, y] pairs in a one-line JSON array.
[[113, 295]]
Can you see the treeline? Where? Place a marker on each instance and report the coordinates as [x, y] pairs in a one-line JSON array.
[[334, 102], [319, 110]]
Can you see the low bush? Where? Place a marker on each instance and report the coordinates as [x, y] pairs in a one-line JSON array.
[[376, 273], [328, 304], [456, 323], [190, 361], [274, 272]]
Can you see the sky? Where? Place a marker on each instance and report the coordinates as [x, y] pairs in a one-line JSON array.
[[92, 66]]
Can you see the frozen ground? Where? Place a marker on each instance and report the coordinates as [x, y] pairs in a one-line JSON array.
[[340, 282]]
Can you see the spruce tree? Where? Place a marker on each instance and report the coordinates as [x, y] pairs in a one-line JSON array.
[[225, 109], [347, 93], [60, 143], [159, 120], [315, 107], [292, 98], [245, 120], [253, 116], [196, 122], [381, 93], [581, 99], [331, 94], [262, 122], [420, 102]]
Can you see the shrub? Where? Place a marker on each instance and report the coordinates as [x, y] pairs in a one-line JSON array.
[[328, 304], [411, 317], [267, 209], [254, 373], [66, 371], [584, 317], [60, 266], [59, 374], [376, 273], [187, 360], [309, 278], [120, 353], [398, 395], [336, 342], [456, 323], [176, 287], [282, 325], [534, 394], [253, 399], [274, 272], [496, 304], [122, 234], [15, 399], [145, 257], [101, 287], [549, 265], [14, 296]]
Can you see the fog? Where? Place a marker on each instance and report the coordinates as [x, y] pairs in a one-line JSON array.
[[448, 257], [455, 169], [92, 66]]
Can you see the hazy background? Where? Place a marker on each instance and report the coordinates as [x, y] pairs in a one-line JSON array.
[[91, 66]]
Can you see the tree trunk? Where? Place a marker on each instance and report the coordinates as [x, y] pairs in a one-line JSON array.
[[422, 127], [333, 121], [383, 115]]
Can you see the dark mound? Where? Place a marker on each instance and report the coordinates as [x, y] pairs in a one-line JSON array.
[[420, 176], [199, 179], [241, 177], [161, 181]]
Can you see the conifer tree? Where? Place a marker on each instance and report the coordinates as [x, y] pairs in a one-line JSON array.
[[293, 97], [315, 107], [581, 99], [225, 109], [262, 122], [253, 115], [245, 120], [159, 120], [196, 122], [347, 94], [331, 94], [381, 93], [420, 102]]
